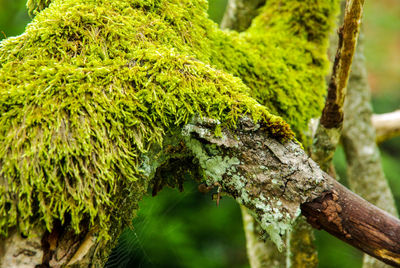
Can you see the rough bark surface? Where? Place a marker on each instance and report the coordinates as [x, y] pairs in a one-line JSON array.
[[300, 251], [267, 168], [269, 178], [364, 169], [350, 218]]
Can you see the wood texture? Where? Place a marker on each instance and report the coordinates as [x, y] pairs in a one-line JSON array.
[[350, 218]]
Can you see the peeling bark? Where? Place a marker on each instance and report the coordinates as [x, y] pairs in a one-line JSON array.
[[43, 249], [15, 251], [355, 221], [282, 177]]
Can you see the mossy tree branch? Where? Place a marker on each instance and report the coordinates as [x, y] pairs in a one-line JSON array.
[[88, 104], [260, 252], [331, 121], [300, 250], [273, 180]]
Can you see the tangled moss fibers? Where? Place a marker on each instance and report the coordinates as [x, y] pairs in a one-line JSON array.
[[92, 84]]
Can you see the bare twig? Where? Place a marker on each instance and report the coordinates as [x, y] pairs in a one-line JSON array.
[[386, 125], [328, 132]]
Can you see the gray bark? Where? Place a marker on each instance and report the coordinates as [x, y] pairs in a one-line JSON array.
[[260, 253], [238, 16], [240, 13], [269, 178]]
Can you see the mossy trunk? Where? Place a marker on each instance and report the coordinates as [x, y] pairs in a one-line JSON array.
[[92, 91]]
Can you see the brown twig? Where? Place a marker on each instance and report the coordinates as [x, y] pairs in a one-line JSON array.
[[332, 115], [328, 132], [350, 218]]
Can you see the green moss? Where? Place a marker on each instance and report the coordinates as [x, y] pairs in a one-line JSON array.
[[35, 6], [92, 85]]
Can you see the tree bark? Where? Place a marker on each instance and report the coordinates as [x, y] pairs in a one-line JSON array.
[[336, 209], [331, 121], [240, 13], [355, 221], [300, 250]]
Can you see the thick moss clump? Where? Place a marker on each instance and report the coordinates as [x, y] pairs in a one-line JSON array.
[[92, 85]]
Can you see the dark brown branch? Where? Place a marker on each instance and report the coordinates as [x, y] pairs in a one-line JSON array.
[[350, 218]]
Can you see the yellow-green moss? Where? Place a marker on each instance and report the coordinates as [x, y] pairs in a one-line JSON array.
[[92, 84]]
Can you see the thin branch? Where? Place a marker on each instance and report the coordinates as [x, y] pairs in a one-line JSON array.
[[328, 132], [350, 218], [386, 125]]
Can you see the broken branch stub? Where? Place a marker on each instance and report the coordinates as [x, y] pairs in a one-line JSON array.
[[350, 218]]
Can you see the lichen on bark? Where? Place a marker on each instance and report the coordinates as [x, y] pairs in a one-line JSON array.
[[267, 177], [92, 86]]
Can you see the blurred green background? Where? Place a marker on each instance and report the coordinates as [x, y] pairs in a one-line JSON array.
[[187, 229]]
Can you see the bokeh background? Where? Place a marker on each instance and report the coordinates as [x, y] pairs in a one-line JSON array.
[[187, 229]]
